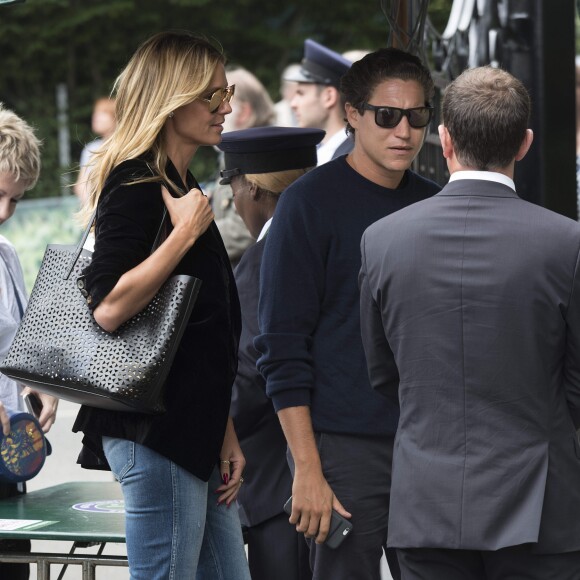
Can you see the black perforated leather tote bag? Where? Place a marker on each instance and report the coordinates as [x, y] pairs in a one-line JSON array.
[[59, 349]]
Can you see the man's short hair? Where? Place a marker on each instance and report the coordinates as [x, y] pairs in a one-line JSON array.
[[486, 112], [19, 148], [366, 74]]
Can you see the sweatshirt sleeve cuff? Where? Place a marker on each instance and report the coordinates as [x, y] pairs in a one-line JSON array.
[[291, 398]]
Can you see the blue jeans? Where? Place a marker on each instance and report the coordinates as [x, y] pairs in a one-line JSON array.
[[175, 530]]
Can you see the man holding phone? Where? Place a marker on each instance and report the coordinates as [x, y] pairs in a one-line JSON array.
[[339, 528], [339, 432]]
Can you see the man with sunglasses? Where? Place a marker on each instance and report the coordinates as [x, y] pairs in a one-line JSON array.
[[339, 432], [470, 316]]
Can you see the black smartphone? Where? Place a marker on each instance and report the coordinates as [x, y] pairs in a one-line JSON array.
[[34, 404], [339, 530]]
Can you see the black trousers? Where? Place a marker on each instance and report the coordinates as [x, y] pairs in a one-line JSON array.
[[13, 571], [277, 550], [358, 469], [514, 563]]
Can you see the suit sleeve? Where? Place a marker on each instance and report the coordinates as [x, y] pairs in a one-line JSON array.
[[572, 356], [381, 365]]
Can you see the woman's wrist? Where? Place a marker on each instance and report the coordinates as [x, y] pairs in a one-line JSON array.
[[183, 237]]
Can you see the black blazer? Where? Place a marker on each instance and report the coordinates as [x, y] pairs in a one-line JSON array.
[[267, 479], [198, 388]]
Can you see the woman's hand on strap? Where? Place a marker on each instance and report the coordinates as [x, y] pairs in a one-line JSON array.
[[190, 214]]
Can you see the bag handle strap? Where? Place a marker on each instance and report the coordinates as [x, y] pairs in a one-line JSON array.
[[164, 219], [80, 246]]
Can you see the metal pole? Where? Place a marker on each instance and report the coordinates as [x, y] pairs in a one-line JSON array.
[[63, 135]]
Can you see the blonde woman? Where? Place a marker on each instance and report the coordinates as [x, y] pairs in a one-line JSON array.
[[179, 471]]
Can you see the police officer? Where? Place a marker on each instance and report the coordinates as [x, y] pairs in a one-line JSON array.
[[317, 101]]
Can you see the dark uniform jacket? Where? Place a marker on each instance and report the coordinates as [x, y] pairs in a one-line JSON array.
[[267, 479]]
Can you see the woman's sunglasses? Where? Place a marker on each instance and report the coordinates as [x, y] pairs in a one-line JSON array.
[[219, 96], [389, 117]]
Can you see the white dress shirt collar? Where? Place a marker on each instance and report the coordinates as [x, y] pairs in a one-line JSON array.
[[325, 152], [265, 229]]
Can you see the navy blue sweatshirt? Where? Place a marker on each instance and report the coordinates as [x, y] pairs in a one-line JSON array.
[[310, 342]]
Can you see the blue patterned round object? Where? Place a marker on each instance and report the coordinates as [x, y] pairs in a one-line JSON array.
[[24, 450]]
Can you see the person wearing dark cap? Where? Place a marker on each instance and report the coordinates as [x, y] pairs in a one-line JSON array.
[[339, 431], [259, 164], [252, 107], [317, 101]]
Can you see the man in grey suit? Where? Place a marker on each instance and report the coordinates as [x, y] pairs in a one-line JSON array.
[[470, 314]]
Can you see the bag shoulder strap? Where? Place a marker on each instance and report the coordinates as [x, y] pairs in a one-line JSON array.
[[79, 247]]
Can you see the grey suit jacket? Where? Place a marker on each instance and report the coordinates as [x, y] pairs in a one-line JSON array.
[[470, 313]]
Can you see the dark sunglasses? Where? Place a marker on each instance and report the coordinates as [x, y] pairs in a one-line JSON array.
[[220, 96], [389, 117]]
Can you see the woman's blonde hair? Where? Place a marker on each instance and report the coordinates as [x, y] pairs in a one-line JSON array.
[[277, 181], [168, 71], [19, 148]]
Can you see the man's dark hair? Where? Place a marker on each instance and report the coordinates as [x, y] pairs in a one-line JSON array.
[[366, 74], [486, 112]]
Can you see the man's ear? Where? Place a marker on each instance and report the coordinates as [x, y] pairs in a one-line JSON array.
[[330, 96], [352, 115], [446, 143], [254, 191], [526, 144]]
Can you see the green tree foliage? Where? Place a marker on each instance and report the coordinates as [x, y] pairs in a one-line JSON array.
[[577, 33], [85, 43]]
